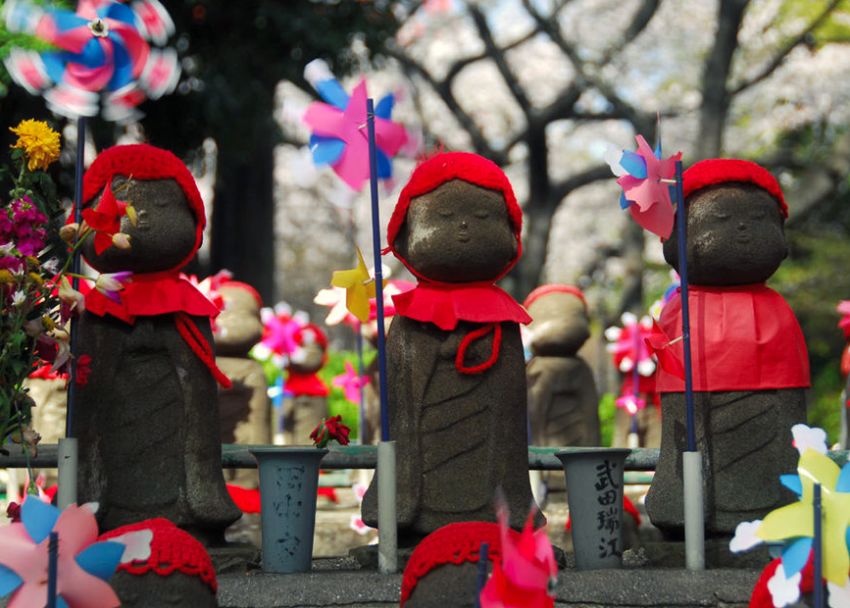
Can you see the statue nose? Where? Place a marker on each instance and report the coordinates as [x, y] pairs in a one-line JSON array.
[[742, 225], [463, 224]]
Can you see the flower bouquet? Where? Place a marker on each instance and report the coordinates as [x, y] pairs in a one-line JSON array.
[[37, 299]]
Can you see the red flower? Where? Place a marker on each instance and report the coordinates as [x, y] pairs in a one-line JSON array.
[[13, 512], [330, 429], [83, 369], [105, 219]]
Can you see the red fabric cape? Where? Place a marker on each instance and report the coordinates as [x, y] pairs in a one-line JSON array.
[[153, 294], [444, 304], [742, 338], [305, 384]]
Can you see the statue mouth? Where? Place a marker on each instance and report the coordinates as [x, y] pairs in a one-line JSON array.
[[463, 238], [744, 239]]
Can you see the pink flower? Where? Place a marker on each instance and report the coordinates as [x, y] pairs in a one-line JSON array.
[[110, 283], [351, 383]]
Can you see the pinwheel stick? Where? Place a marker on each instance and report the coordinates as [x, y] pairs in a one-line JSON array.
[[379, 275], [68, 444], [482, 573], [52, 562], [818, 596], [691, 459]]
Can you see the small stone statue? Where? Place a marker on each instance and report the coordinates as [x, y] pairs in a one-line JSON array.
[[563, 403], [750, 363], [308, 402], [245, 408], [178, 571], [147, 419], [456, 378]]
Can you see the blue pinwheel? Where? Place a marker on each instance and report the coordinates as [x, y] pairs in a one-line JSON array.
[[102, 48]]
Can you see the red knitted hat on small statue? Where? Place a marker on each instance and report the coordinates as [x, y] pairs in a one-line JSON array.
[[554, 288], [456, 544], [443, 168], [244, 287], [716, 171], [172, 550], [145, 162]]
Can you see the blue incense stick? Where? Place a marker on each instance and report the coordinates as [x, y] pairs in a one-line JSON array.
[[681, 226], [482, 573], [818, 598], [379, 273], [52, 562], [75, 268]]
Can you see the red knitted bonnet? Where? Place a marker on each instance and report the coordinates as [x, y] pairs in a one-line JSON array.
[[456, 544], [145, 162], [172, 550], [442, 168], [554, 288], [716, 171]]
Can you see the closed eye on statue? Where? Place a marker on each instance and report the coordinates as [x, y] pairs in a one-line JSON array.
[[758, 215], [722, 216], [482, 214], [445, 213]]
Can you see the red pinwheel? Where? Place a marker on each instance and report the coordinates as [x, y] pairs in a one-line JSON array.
[[646, 179], [105, 219], [101, 48], [338, 127]]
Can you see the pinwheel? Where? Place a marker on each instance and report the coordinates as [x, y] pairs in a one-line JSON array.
[[645, 179], [102, 48], [338, 128], [793, 524], [359, 288], [631, 354], [280, 329], [526, 573], [351, 382], [83, 565]]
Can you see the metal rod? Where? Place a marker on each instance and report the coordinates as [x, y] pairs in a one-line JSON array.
[[75, 268], [387, 523], [379, 272], [67, 464]]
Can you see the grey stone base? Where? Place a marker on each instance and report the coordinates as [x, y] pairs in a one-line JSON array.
[[338, 582]]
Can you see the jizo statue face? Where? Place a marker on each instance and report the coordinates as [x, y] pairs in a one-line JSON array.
[[735, 236], [163, 236], [458, 233]]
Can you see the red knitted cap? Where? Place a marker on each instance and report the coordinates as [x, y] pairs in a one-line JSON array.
[[716, 171], [320, 337], [145, 162], [172, 550], [457, 544], [554, 288], [442, 168]]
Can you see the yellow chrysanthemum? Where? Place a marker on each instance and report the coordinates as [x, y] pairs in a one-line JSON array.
[[39, 142]]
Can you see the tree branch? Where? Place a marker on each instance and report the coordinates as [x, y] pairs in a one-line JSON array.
[[779, 59], [498, 56], [562, 107], [444, 90], [561, 189]]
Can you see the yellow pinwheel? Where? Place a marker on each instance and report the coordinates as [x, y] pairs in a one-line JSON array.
[[796, 521], [359, 288]]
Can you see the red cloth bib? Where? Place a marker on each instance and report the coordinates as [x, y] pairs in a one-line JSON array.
[[444, 304], [153, 294], [743, 338], [305, 384]]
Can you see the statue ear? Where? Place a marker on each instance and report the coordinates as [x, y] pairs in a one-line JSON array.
[[401, 238]]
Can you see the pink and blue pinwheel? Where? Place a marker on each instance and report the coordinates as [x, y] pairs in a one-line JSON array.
[[351, 382], [102, 48], [83, 567], [526, 574], [646, 180], [338, 128]]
